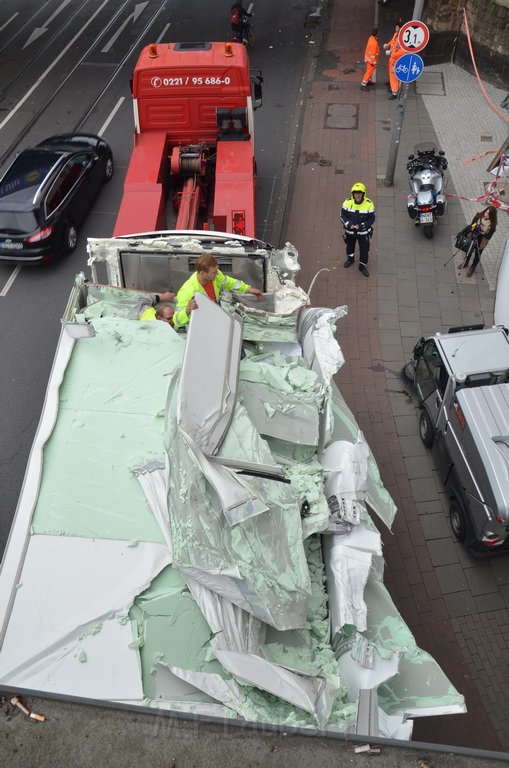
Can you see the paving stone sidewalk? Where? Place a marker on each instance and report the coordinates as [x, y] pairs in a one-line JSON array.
[[456, 606]]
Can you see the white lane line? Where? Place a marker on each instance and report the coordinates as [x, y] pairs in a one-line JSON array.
[[15, 273], [112, 114], [9, 21], [161, 36], [53, 64]]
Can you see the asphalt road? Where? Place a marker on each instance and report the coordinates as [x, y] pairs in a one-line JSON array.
[[65, 66]]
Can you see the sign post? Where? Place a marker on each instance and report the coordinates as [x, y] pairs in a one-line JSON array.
[[413, 37]]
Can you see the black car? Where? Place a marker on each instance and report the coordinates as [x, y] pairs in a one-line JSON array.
[[45, 195]]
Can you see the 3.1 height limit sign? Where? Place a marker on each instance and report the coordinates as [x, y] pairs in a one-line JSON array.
[[413, 36]]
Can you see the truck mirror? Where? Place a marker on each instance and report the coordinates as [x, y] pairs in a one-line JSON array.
[[257, 81]]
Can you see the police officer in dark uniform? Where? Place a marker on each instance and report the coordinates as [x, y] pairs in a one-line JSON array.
[[358, 216]]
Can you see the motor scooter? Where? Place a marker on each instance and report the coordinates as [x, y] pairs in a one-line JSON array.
[[427, 200]]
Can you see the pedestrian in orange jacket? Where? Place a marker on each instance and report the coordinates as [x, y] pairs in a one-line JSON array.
[[389, 47], [394, 83], [371, 55]]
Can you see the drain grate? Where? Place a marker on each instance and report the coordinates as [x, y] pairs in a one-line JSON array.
[[342, 117], [431, 84]]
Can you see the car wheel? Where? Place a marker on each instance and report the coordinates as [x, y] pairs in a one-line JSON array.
[[108, 169], [458, 520], [70, 237], [426, 430]]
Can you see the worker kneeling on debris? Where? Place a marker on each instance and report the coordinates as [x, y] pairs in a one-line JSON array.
[[207, 279]]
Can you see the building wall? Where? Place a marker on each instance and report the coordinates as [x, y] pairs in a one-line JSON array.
[[488, 22]]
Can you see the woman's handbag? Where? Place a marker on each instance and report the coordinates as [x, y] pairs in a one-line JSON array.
[[463, 240]]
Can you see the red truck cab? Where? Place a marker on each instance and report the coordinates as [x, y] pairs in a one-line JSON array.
[[192, 165]]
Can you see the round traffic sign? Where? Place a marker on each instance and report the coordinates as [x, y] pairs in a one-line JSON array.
[[408, 67], [413, 36]]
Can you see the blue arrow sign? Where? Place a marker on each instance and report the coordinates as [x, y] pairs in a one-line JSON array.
[[409, 67]]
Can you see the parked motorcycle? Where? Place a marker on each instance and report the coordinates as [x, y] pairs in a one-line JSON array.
[[427, 200]]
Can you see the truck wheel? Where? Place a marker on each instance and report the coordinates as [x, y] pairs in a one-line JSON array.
[[426, 428], [428, 231], [458, 520]]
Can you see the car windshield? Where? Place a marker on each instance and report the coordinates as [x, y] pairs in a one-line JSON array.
[[17, 222], [26, 175]]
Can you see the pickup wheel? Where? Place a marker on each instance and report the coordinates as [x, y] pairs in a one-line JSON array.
[[458, 520], [426, 430]]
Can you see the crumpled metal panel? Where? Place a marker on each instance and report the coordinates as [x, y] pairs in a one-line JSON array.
[[208, 381], [246, 589]]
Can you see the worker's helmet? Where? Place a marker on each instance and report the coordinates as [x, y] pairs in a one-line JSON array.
[[359, 187]]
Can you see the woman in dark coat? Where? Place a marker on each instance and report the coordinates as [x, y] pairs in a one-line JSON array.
[[482, 229]]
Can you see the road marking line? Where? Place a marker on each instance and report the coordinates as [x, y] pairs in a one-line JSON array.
[[38, 31], [110, 117], [139, 8], [161, 36], [9, 21], [15, 273], [53, 64]]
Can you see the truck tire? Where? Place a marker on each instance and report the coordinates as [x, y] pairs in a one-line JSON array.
[[458, 520], [426, 430]]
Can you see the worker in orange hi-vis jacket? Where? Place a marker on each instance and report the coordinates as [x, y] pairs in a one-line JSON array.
[[394, 83], [389, 47], [371, 55]]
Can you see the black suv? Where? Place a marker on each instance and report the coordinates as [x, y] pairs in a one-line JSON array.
[[45, 195]]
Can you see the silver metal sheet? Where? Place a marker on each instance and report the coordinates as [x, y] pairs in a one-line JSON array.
[[208, 382]]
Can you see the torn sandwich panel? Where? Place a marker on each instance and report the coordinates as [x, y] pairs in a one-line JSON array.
[[274, 579], [315, 695], [153, 478], [266, 327], [347, 574], [233, 628], [171, 630], [208, 381], [346, 428], [237, 500], [321, 350], [421, 688], [358, 674], [346, 467], [307, 485], [282, 416], [109, 371], [64, 607], [87, 487]]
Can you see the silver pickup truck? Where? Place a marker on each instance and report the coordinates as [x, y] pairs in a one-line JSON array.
[[461, 379]]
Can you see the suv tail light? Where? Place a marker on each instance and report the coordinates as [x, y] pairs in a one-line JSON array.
[[41, 235]]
